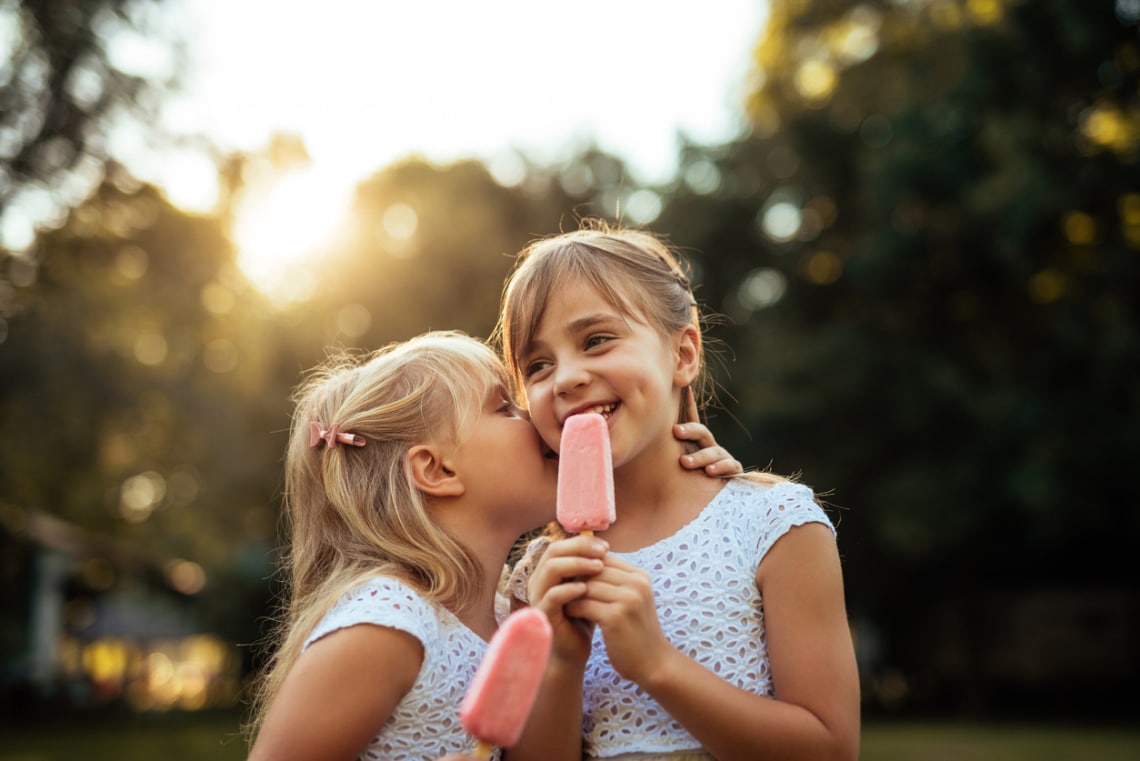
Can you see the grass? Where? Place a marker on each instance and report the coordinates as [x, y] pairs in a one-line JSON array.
[[175, 737], [954, 741], [214, 737]]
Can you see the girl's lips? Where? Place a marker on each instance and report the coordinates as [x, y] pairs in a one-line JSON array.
[[605, 409]]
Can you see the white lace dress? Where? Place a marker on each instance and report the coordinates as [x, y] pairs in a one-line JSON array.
[[425, 724], [704, 581]]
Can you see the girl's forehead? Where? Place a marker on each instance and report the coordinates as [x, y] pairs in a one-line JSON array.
[[588, 292], [581, 296]]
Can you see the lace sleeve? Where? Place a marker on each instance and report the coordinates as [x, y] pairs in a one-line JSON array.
[[786, 506], [384, 602]]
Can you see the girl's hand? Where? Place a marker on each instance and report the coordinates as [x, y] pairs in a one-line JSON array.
[[714, 459], [559, 579], [620, 600]]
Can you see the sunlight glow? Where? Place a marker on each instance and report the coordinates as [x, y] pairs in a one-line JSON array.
[[190, 180], [815, 81], [284, 227]]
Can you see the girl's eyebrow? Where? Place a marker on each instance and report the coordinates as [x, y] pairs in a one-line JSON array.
[[588, 321], [574, 327]]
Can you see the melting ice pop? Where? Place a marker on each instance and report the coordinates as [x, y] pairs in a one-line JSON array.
[[504, 689], [585, 475]]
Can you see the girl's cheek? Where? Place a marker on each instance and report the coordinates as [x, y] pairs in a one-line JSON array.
[[550, 434]]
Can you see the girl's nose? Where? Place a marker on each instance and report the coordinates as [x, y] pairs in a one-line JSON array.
[[569, 376]]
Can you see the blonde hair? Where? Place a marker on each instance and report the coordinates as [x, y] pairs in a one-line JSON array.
[[635, 271], [354, 512]]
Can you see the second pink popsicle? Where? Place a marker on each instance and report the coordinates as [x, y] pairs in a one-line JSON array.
[[498, 702]]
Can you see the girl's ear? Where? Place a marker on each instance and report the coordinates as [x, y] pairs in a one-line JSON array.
[[688, 356], [431, 474]]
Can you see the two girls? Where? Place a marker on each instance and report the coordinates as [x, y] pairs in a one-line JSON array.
[[409, 476]]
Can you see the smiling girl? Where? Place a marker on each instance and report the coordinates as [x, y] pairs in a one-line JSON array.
[[721, 628]]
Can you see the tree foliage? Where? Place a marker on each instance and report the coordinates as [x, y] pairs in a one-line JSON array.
[[929, 248], [61, 87]]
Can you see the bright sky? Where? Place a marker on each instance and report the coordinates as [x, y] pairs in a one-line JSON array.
[[367, 82]]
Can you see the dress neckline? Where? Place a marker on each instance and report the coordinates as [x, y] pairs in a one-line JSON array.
[[685, 528]]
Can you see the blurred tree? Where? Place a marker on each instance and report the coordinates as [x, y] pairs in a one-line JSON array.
[[928, 248], [69, 70], [140, 394], [430, 248], [144, 385]]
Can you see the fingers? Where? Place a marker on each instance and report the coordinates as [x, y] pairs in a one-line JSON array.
[[619, 582], [555, 580], [715, 460], [620, 600], [556, 597], [697, 433]]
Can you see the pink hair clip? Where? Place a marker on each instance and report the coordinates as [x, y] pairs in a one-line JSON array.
[[332, 436]]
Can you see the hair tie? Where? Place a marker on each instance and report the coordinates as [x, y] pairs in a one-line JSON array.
[[680, 278], [332, 436]]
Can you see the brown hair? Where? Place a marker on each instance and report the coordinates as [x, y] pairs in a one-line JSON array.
[[635, 271]]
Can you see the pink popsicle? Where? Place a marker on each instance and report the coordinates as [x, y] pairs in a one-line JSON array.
[[585, 475], [504, 689]]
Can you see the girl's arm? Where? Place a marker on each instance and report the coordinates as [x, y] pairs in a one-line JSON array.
[[554, 729], [339, 694], [816, 714]]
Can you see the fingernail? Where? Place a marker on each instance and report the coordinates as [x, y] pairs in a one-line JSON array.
[[690, 459], [681, 428]]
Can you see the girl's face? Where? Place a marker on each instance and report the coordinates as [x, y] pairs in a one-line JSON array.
[[587, 356], [502, 457]]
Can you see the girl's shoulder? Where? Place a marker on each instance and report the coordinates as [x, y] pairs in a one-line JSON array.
[[383, 601], [759, 489], [781, 503]]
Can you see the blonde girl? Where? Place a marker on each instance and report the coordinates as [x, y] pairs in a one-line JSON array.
[[721, 628], [409, 475]]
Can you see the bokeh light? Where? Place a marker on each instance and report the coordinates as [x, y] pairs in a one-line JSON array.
[[761, 288], [140, 495]]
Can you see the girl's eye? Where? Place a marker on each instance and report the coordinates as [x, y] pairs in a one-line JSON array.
[[510, 408], [518, 412], [535, 367], [596, 340]]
